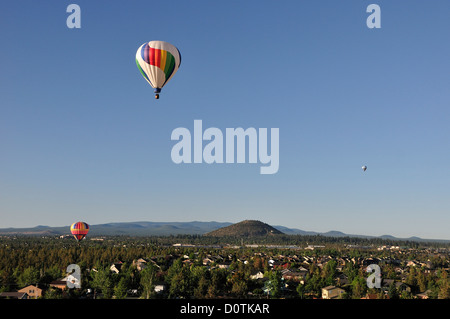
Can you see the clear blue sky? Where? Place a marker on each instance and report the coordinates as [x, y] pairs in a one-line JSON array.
[[82, 138]]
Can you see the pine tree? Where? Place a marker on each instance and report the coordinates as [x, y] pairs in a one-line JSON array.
[[444, 286], [147, 280]]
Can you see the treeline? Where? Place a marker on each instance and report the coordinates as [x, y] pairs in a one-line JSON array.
[[283, 239], [40, 261]]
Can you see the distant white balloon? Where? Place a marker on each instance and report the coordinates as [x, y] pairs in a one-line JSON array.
[[364, 168]]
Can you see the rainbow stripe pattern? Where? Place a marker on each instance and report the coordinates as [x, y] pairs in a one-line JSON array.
[[159, 58], [79, 230], [158, 61]]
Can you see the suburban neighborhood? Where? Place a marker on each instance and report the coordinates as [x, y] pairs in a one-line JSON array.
[[133, 270]]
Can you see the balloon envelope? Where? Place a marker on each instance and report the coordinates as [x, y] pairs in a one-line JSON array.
[[364, 168], [158, 61], [79, 230]]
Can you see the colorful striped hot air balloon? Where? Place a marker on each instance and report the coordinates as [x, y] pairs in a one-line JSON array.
[[158, 62], [79, 230]]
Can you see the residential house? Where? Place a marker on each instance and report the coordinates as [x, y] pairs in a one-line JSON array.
[[285, 265], [400, 286], [303, 269], [413, 263], [256, 275], [288, 274], [140, 264], [207, 261], [116, 267], [332, 292], [224, 265], [274, 263], [160, 287], [32, 291], [372, 296], [424, 295], [386, 283], [13, 295], [60, 284], [342, 279], [312, 247]]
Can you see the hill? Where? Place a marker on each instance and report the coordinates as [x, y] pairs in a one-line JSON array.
[[246, 228]]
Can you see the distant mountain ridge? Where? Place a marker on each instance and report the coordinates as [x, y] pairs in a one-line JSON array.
[[140, 228], [148, 228]]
